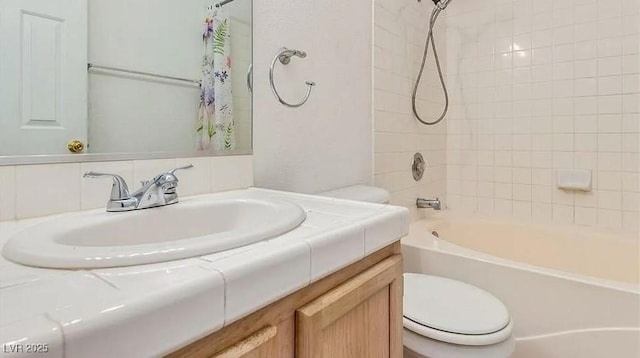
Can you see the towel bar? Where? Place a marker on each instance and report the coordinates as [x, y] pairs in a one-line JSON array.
[[284, 56]]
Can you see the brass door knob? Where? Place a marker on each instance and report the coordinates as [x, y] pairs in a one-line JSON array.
[[75, 146]]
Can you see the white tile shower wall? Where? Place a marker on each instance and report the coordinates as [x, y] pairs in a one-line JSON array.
[[24, 193], [542, 85], [399, 35]]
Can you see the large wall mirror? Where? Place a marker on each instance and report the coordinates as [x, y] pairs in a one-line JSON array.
[[100, 79]]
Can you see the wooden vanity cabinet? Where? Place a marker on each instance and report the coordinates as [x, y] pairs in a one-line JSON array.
[[355, 312]]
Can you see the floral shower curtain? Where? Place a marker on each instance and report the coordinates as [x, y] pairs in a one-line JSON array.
[[215, 125]]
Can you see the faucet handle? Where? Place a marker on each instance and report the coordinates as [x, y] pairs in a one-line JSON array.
[[119, 189], [173, 172], [169, 181], [170, 176]]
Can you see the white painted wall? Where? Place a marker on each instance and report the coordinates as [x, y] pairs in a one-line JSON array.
[[328, 142], [136, 114]]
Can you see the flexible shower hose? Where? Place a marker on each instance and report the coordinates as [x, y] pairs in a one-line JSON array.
[[432, 21]]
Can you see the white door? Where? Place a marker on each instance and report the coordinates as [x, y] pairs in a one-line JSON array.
[[43, 75]]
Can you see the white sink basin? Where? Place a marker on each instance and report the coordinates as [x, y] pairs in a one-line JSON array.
[[194, 227]]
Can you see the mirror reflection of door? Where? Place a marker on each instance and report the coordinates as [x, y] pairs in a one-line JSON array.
[[43, 54], [123, 77]]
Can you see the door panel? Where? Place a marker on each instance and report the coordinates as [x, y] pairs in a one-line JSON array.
[[43, 75]]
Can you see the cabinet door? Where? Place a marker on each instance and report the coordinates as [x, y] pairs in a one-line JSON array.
[[360, 318], [262, 344]]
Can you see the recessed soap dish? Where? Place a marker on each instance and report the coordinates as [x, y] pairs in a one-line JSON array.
[[574, 179]]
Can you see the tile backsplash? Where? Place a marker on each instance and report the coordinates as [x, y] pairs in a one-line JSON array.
[[538, 86], [37, 190]]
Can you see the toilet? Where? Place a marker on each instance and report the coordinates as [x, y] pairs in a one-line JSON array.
[[445, 318]]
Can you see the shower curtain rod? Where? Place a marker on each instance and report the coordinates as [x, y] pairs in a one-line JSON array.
[[91, 66]]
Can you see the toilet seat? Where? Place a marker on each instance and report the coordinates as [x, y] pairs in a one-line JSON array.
[[456, 338], [453, 312]]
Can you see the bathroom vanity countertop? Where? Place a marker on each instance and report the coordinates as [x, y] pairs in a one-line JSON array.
[[151, 310]]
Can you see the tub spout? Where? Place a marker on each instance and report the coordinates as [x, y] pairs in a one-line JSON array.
[[434, 204]]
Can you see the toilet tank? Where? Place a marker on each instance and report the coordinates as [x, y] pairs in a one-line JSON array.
[[364, 193]]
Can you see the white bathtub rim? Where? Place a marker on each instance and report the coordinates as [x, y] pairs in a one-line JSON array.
[[450, 215], [429, 242], [578, 331]]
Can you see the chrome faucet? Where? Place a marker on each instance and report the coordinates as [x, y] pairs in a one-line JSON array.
[[159, 191], [434, 204]]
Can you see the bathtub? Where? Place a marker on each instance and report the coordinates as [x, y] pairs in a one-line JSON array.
[[572, 292]]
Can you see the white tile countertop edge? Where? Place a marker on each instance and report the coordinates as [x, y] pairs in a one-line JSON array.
[[151, 310]]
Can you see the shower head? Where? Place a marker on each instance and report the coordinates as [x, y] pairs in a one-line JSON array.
[[441, 4]]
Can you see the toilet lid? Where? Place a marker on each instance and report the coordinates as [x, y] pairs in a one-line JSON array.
[[452, 306]]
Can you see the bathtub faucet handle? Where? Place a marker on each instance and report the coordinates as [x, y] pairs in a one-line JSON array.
[[434, 204]]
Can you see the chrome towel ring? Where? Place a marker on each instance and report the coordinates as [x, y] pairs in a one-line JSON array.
[[284, 56]]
